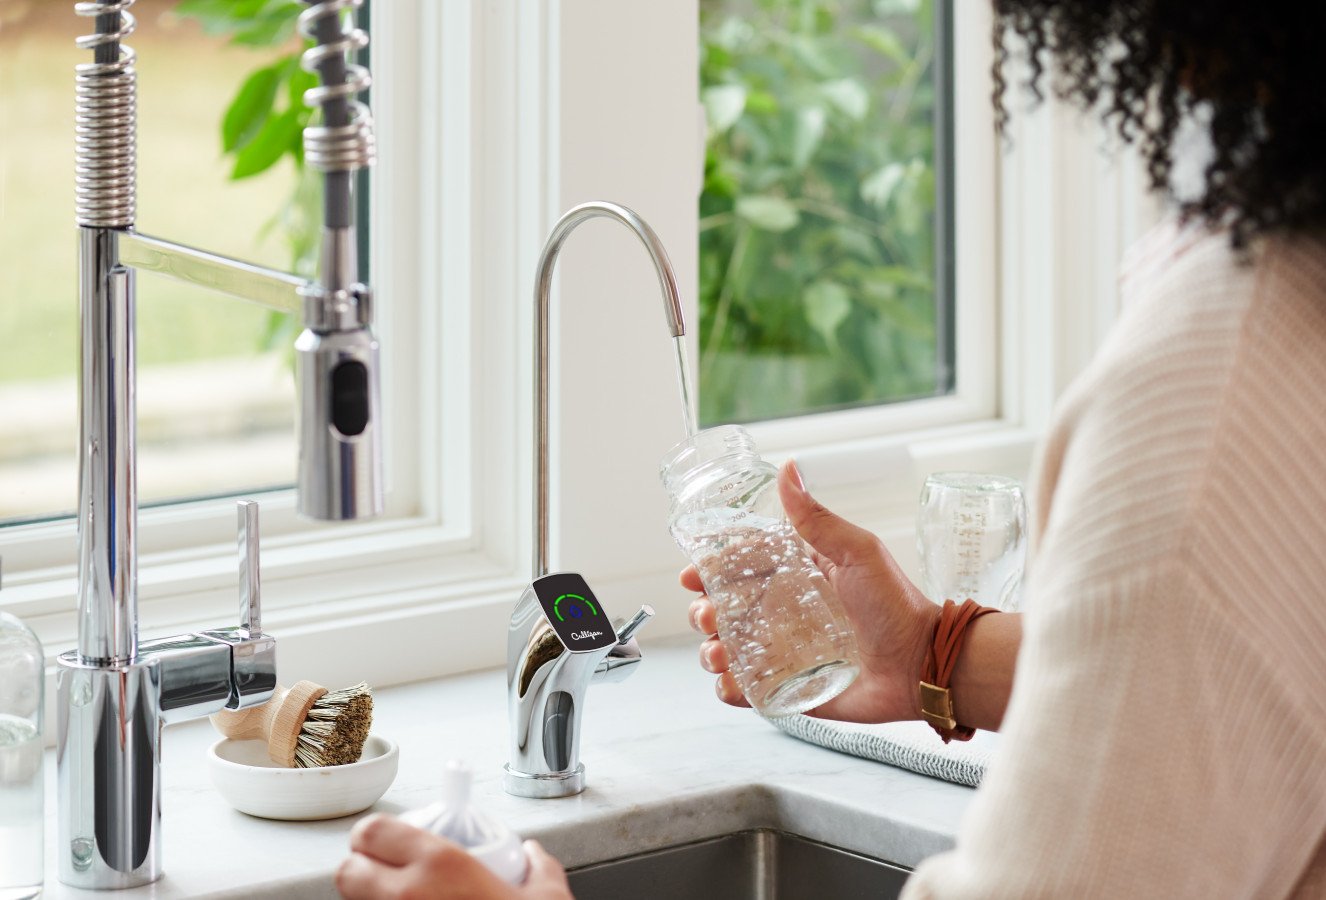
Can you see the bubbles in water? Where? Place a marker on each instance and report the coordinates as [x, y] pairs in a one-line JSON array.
[[790, 645]]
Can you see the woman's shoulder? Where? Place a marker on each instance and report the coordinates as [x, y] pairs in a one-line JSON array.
[[1217, 348], [1200, 316], [1180, 270]]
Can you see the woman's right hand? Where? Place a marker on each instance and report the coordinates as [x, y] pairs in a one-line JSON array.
[[893, 620]]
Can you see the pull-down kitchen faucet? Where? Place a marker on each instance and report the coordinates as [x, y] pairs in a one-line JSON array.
[[115, 693]]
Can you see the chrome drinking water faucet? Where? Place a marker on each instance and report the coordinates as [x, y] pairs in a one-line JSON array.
[[560, 638], [115, 693]]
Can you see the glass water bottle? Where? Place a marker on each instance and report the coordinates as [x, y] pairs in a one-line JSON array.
[[21, 811], [788, 640]]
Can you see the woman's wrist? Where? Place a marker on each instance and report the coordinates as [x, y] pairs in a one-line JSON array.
[[945, 649], [982, 677], [928, 614]]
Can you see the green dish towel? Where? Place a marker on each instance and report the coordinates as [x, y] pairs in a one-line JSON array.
[[908, 745]]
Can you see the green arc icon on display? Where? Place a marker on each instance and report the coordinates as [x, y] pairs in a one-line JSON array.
[[557, 605]]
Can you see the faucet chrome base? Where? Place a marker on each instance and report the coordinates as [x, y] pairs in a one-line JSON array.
[[108, 753], [545, 786]]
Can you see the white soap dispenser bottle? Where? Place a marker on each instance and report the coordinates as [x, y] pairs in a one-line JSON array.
[[454, 818]]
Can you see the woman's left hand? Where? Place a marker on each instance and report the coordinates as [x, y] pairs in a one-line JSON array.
[[390, 859]]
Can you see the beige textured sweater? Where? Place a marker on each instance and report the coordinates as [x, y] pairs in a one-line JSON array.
[[1166, 736]]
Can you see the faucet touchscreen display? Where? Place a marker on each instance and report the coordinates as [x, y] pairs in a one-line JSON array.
[[574, 612]]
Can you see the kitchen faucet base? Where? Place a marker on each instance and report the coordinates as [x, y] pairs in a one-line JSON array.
[[543, 786]]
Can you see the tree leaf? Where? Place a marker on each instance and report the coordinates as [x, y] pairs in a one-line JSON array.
[[848, 96], [251, 107], [719, 181], [879, 186], [271, 28], [916, 198], [884, 42], [298, 81], [723, 106], [768, 213], [734, 34], [886, 8], [268, 145], [806, 138], [761, 102], [827, 305], [220, 16], [856, 243], [813, 55]]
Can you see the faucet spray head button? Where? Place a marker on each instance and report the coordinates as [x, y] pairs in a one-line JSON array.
[[349, 397], [339, 432]]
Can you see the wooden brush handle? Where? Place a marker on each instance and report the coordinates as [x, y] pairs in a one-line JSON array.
[[277, 721]]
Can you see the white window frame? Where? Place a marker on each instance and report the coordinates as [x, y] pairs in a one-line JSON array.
[[863, 453], [1043, 216], [1040, 223], [376, 599], [493, 118]]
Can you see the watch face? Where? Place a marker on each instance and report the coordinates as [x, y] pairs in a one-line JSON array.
[[574, 611]]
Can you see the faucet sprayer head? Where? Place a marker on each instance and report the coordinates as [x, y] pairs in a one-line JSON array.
[[336, 361], [340, 460]]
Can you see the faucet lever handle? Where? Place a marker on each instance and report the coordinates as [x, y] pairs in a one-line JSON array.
[[627, 631], [624, 656], [250, 586]]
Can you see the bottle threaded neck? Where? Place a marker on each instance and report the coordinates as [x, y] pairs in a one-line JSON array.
[[723, 447]]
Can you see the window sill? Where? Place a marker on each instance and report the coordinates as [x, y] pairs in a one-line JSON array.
[[882, 475]]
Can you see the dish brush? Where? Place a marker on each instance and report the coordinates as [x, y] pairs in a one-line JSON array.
[[305, 726]]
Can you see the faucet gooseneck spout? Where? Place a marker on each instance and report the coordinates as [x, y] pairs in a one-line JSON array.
[[560, 638], [543, 279]]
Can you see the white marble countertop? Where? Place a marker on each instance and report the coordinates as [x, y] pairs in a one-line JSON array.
[[666, 763]]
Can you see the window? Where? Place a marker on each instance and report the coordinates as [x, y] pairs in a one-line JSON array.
[[215, 391], [493, 118], [825, 240]]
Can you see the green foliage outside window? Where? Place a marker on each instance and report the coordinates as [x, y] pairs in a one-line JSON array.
[[264, 124], [817, 221]]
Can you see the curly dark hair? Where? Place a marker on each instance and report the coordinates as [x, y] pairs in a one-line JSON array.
[[1145, 63]]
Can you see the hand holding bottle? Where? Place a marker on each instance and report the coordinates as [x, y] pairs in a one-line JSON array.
[[390, 858], [893, 620]]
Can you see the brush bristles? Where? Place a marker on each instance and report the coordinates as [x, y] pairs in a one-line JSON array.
[[336, 728]]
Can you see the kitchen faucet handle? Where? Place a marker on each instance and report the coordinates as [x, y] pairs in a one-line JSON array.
[[252, 661], [625, 633], [250, 585], [624, 656]]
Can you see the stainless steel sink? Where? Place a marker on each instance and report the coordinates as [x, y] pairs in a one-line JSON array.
[[761, 864]]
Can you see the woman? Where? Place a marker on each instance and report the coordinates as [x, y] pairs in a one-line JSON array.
[[1164, 701]]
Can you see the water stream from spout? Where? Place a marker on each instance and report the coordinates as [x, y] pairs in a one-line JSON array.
[[684, 383]]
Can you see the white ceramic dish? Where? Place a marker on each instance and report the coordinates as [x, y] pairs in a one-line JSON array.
[[253, 784]]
